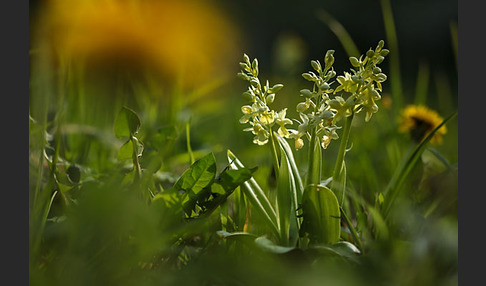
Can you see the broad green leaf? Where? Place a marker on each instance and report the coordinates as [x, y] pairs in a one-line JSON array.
[[321, 215], [126, 151], [127, 123], [268, 245], [346, 248], [231, 179], [170, 198], [194, 182], [223, 187], [235, 235], [341, 248], [198, 176]]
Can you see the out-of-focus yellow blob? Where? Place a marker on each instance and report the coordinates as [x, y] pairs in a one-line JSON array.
[[185, 41], [419, 121]]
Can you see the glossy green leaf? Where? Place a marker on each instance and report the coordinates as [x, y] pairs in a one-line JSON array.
[[222, 188], [195, 181], [268, 245], [321, 215], [199, 175], [231, 179], [201, 192], [236, 235]]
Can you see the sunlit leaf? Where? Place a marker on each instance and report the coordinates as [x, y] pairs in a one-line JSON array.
[[321, 215], [126, 151], [198, 176], [127, 123]]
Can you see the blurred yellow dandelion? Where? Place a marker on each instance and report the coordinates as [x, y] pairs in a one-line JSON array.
[[419, 121], [187, 41]]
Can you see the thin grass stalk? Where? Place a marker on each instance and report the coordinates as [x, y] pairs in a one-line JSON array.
[[337, 187], [188, 143], [422, 85], [395, 75], [341, 33], [273, 151], [256, 196], [354, 233], [298, 188]]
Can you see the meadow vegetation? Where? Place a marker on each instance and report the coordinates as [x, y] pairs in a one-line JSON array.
[[145, 169]]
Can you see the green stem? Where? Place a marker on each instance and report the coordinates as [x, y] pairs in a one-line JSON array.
[[136, 162], [276, 163], [189, 148], [336, 187], [314, 170]]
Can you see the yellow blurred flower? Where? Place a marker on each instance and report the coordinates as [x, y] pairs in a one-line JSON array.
[[187, 41], [419, 121]]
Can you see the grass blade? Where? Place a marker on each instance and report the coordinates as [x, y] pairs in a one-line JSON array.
[[285, 187], [338, 29], [322, 216], [394, 186], [256, 196], [391, 35], [295, 171], [422, 85]]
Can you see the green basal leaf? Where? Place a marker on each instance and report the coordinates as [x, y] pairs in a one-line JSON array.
[[268, 245], [342, 249], [127, 123], [235, 235], [321, 215]]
